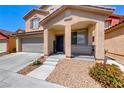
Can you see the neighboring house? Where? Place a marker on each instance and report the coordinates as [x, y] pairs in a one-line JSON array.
[[113, 19], [114, 39], [70, 29], [7, 42]]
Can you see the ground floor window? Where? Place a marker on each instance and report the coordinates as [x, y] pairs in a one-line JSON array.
[[79, 37]]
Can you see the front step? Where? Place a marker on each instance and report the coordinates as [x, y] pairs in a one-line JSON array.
[[50, 63], [57, 56], [52, 60]]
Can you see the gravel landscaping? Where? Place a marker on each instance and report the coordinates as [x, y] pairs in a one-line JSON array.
[[73, 73]]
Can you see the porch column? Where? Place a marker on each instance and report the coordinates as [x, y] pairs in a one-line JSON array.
[[99, 42], [68, 41], [18, 44], [46, 42]]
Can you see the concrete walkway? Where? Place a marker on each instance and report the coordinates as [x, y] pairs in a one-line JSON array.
[[16, 61], [10, 79], [44, 71], [110, 61], [84, 57]]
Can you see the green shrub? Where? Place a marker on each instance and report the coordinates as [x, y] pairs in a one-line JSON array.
[[36, 62], [107, 75]]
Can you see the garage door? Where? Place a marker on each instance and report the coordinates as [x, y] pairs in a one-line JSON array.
[[32, 45], [3, 46]]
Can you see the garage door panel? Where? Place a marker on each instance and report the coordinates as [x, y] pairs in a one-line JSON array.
[[32, 45], [3, 46], [32, 40]]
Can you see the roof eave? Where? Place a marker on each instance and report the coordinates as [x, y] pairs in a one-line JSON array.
[[117, 16], [28, 33], [107, 11], [4, 35], [35, 10]]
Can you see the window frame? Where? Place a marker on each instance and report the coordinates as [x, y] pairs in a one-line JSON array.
[[108, 23], [33, 23], [85, 33]]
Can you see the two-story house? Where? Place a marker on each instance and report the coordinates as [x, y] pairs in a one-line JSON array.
[[68, 29]]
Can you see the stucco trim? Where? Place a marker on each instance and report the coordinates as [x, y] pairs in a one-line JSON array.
[[115, 54], [29, 33], [88, 8], [17, 31]]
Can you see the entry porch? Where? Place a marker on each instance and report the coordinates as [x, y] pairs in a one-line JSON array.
[[74, 31], [73, 40]]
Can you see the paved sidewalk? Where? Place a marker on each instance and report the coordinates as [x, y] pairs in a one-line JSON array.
[[10, 79], [110, 61], [44, 70]]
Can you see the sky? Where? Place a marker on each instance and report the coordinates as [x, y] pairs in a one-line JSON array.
[[11, 16]]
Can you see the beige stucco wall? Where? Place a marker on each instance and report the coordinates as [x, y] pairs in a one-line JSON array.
[[114, 41], [91, 30], [27, 22], [51, 37], [11, 44], [51, 40]]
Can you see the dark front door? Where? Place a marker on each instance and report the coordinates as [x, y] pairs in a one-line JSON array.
[[59, 43]]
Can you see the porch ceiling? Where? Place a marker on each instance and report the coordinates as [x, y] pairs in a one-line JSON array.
[[57, 28], [81, 25]]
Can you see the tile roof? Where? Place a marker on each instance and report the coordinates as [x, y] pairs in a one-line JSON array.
[[101, 6], [117, 16], [5, 32], [115, 26]]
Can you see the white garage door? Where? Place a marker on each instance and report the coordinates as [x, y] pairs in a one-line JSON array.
[[32, 45], [3, 46]]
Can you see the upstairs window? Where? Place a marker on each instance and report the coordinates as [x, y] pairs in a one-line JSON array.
[[34, 23], [108, 24]]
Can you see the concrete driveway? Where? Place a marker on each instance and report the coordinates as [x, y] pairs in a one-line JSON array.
[[10, 79], [12, 63], [16, 61]]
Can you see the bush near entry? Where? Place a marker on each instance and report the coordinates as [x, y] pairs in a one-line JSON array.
[[107, 75]]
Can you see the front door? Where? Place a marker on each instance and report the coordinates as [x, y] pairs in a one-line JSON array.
[[59, 43]]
